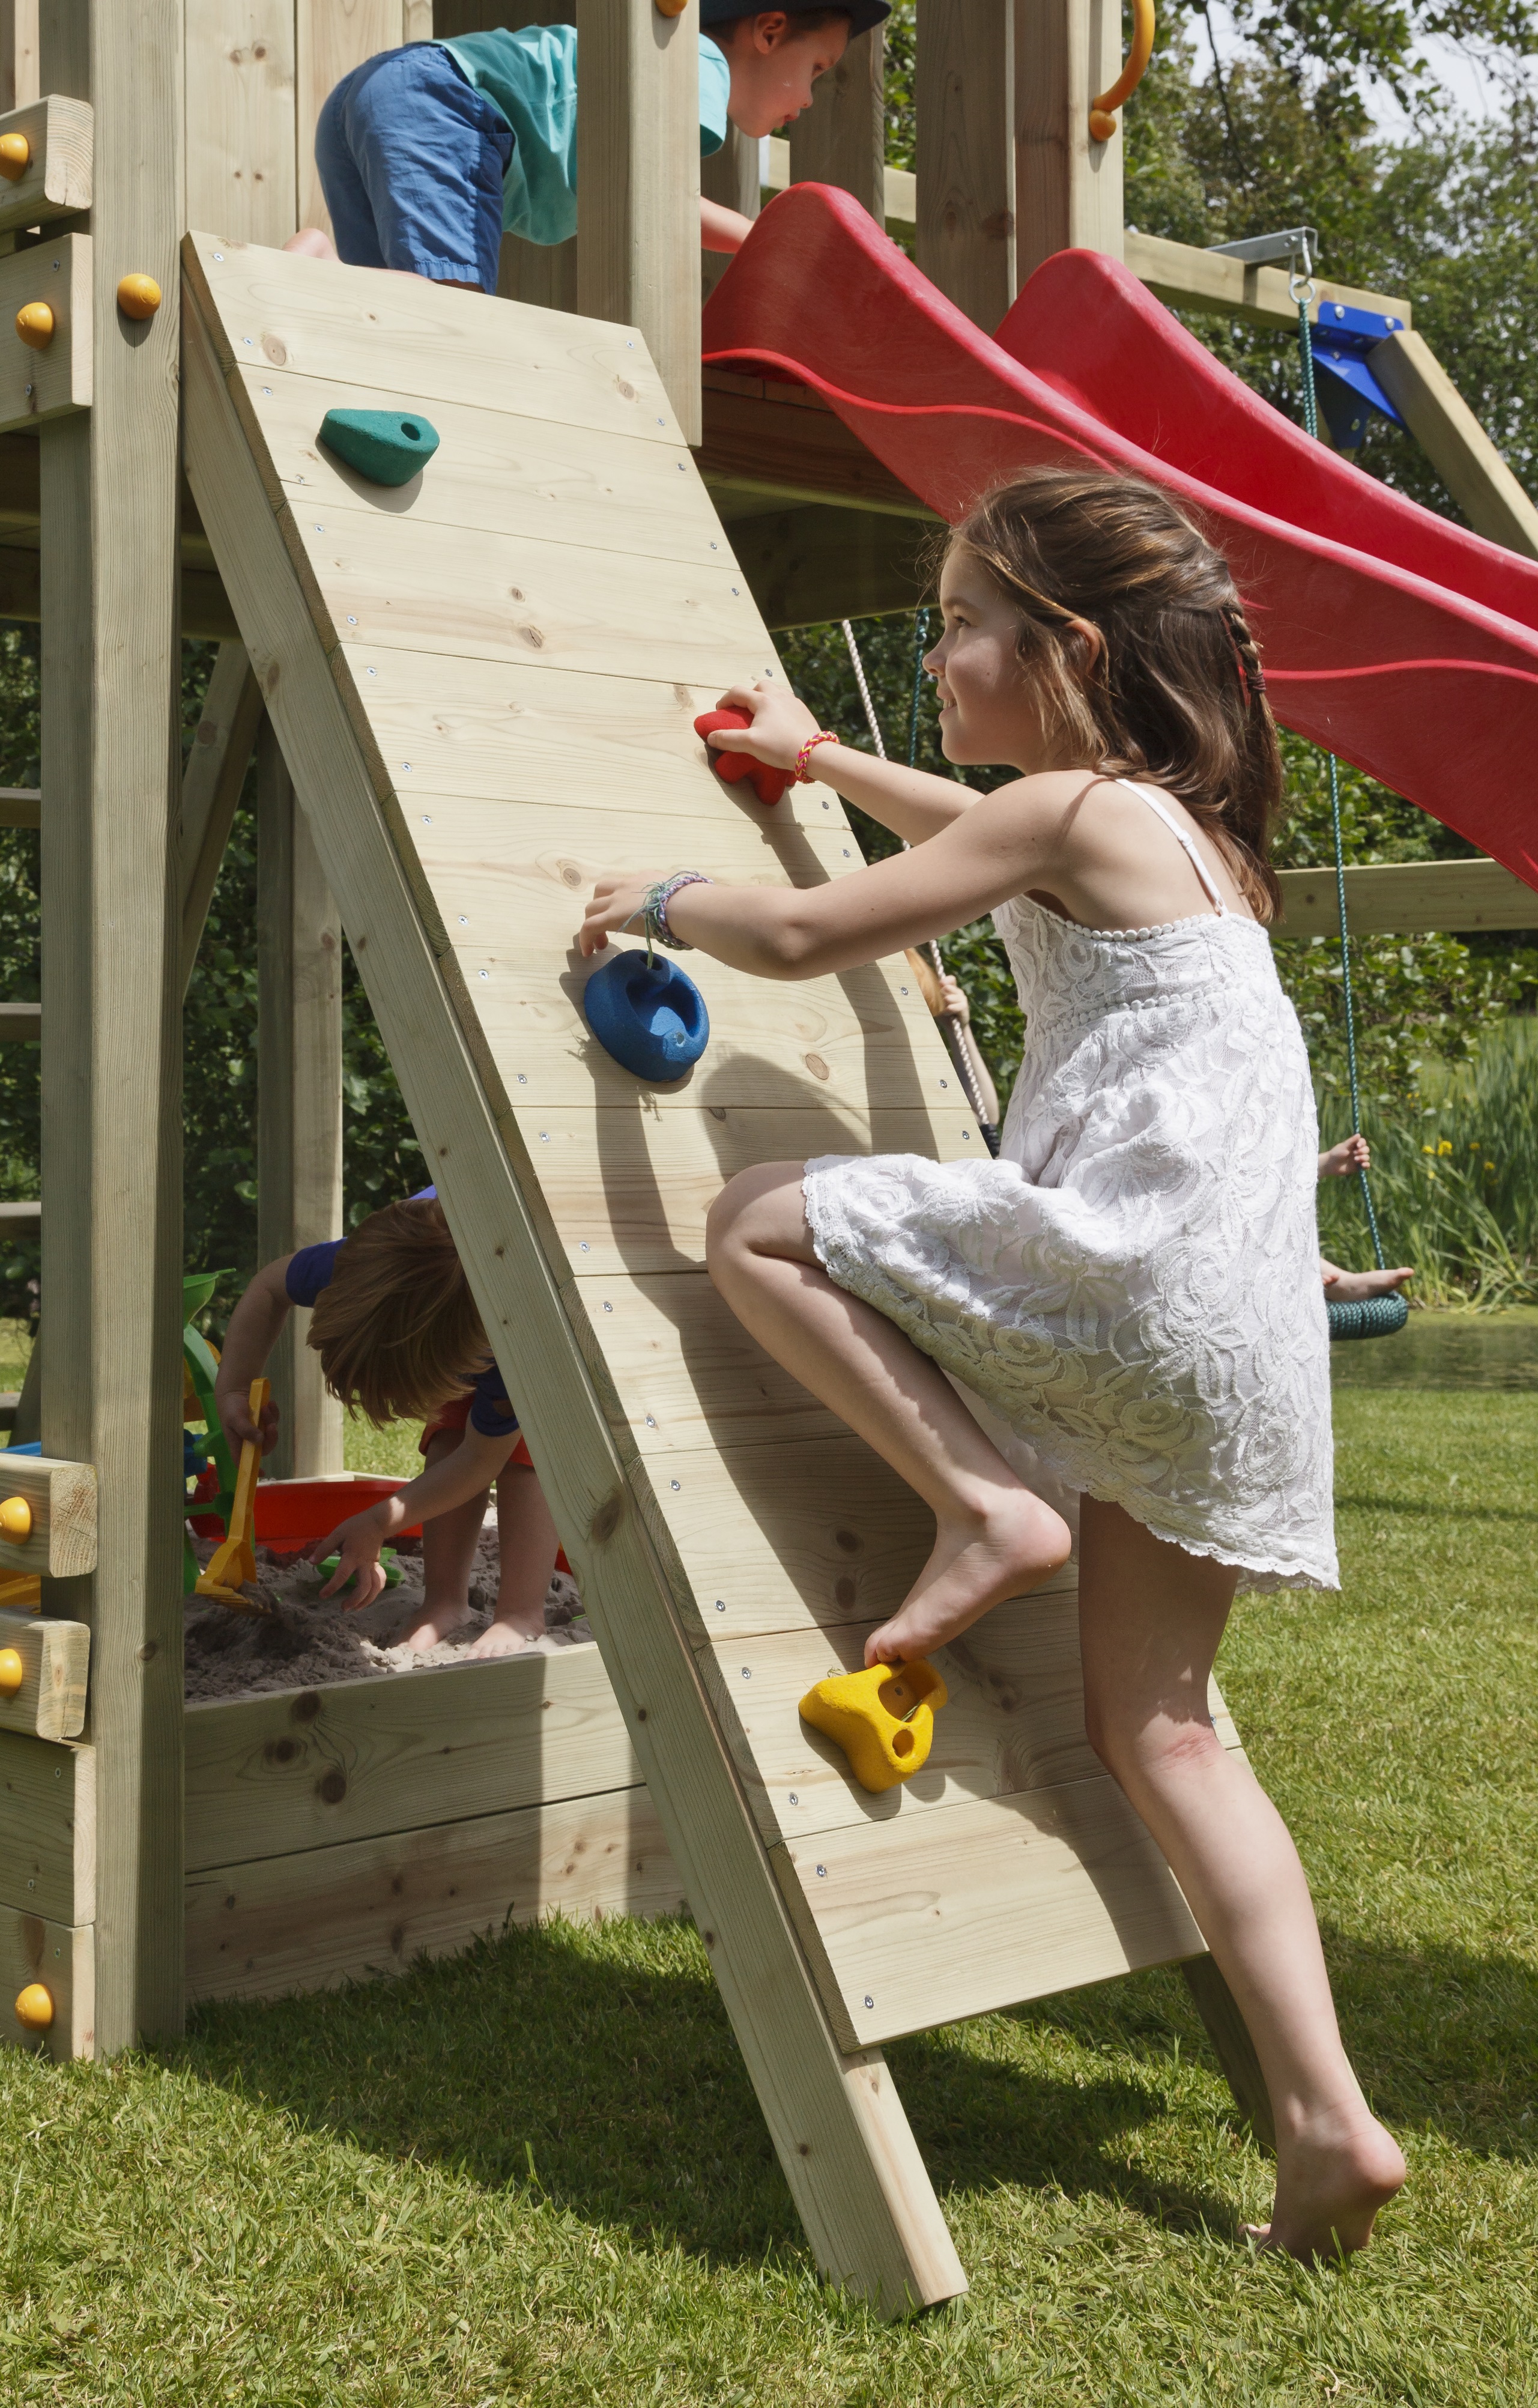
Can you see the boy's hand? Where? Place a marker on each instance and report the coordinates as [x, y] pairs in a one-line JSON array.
[[234, 1412], [721, 228], [779, 725], [358, 1543]]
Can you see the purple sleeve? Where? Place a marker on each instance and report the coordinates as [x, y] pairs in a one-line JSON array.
[[310, 1271]]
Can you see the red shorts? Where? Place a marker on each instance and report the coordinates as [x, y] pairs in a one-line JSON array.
[[456, 1416]]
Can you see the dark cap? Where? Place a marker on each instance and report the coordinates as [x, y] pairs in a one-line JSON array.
[[862, 14]]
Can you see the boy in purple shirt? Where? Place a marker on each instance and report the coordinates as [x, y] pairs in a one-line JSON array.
[[400, 1340]]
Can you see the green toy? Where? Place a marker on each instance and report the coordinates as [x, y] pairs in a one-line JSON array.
[[383, 445], [200, 1368]]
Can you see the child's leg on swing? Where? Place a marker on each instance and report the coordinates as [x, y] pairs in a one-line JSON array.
[[448, 1556], [527, 1546], [994, 1537], [1150, 1618]]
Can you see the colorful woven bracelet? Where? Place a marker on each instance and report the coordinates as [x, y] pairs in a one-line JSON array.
[[658, 900], [823, 736]]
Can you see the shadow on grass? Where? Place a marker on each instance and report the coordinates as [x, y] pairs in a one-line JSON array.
[[600, 2070], [1427, 1509]]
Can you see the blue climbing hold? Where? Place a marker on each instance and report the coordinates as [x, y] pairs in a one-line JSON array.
[[382, 445], [649, 1015]]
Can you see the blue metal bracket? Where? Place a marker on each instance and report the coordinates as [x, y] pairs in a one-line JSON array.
[[1343, 342]]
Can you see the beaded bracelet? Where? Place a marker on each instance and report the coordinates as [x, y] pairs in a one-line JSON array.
[[654, 910], [823, 736]]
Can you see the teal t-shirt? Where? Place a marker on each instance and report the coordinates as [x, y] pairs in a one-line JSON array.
[[530, 78]]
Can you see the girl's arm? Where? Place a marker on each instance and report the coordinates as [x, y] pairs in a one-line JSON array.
[[472, 1466], [255, 1327], [911, 802], [1004, 843]]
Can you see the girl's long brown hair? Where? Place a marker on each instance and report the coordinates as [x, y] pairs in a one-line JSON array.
[[1176, 695]]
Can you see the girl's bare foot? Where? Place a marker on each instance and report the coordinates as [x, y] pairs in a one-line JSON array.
[[437, 1623], [1351, 1287], [1330, 2182], [310, 243], [975, 1564], [506, 1639]]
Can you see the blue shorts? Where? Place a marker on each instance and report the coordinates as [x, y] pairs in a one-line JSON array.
[[411, 159]]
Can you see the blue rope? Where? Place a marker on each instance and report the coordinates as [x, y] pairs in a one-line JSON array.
[[1311, 420], [920, 646]]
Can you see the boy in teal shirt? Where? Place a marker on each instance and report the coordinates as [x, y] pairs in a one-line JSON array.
[[429, 154]]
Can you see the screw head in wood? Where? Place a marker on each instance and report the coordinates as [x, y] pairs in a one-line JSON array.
[[15, 157], [34, 324], [138, 295], [16, 1518], [35, 2007], [12, 1672]]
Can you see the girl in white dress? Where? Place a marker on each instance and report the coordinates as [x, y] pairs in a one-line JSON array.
[[1132, 1291]]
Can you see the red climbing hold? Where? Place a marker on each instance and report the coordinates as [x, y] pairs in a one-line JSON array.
[[768, 783]]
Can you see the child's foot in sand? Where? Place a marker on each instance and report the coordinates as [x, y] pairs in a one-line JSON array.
[[437, 1622], [506, 1639], [1330, 2182], [975, 1564]]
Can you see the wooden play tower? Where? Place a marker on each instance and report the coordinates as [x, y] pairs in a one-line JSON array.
[[433, 787]]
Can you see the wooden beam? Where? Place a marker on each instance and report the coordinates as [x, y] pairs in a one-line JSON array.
[[1457, 446], [299, 1095], [841, 140], [21, 806], [818, 563], [20, 1022], [211, 789], [60, 1499], [1407, 898], [111, 1278], [899, 187], [19, 81], [780, 441], [964, 83], [1068, 187], [55, 1658], [62, 1957], [56, 180], [36, 386], [1233, 2046], [1189, 279], [638, 186], [205, 608]]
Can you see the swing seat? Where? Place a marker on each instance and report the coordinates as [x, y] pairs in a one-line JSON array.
[[1371, 1317]]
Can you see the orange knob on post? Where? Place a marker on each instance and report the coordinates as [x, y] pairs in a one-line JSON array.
[[671, 7], [12, 1672], [35, 2007], [1103, 124], [16, 1518], [15, 157], [139, 296], [34, 324]]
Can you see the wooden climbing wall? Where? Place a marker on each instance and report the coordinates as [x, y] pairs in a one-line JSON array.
[[484, 683]]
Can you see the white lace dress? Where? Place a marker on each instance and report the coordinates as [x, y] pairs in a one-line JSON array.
[[1133, 1287]]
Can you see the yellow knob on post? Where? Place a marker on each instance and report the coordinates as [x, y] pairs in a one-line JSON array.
[[15, 157], [16, 1518], [12, 1672], [35, 2007], [139, 296], [34, 324]]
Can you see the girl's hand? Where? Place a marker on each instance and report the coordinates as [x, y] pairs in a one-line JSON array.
[[1354, 1287], [780, 727], [234, 1412], [357, 1541], [617, 903], [1352, 1153], [955, 1005]]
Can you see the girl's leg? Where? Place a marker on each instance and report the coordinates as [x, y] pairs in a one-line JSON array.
[[527, 1544], [448, 1556], [994, 1537], [1150, 1620]]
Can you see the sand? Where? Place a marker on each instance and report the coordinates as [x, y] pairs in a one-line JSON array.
[[306, 1642]]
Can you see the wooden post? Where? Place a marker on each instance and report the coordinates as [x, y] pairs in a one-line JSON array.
[[242, 162], [18, 53], [842, 139], [963, 80], [638, 185], [211, 790], [299, 1094], [1068, 188], [1457, 446], [111, 1275]]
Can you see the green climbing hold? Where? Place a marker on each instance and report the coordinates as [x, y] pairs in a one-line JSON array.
[[381, 444]]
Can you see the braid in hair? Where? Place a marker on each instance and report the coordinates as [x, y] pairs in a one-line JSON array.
[[1248, 652]]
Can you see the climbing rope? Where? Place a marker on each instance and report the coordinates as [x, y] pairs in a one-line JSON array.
[[951, 1029], [1373, 1316]]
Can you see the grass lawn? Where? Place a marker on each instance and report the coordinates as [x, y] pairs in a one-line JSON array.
[[537, 2174]]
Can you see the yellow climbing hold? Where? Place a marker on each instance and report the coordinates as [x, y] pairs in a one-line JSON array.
[[883, 1718], [35, 2007], [34, 324], [16, 1518], [15, 157], [139, 296], [12, 1672]]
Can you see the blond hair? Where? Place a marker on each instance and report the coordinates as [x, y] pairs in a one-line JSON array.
[[397, 1330]]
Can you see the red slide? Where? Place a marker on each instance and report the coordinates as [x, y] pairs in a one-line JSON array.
[[1399, 641]]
